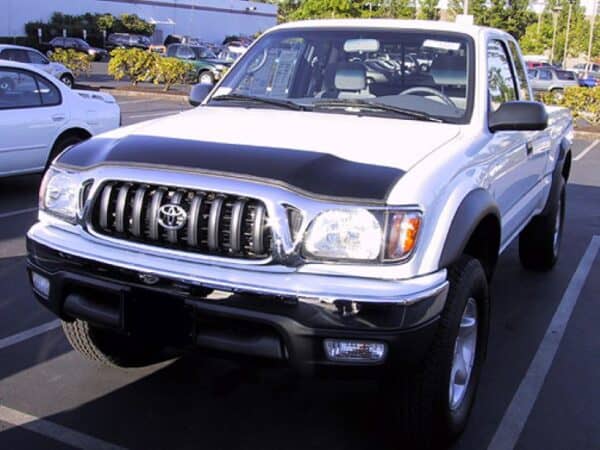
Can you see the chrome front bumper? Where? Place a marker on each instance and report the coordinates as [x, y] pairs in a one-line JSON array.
[[259, 280]]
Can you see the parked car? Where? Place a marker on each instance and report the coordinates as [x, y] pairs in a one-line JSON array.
[[347, 228], [32, 56], [40, 117], [77, 44], [208, 68], [591, 70], [551, 80], [588, 81], [126, 40]]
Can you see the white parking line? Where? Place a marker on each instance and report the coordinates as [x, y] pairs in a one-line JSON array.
[[155, 114], [28, 334], [520, 407], [132, 102], [54, 431], [16, 213], [586, 150]]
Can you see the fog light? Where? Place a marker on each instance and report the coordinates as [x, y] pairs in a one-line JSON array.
[[41, 284], [355, 351]]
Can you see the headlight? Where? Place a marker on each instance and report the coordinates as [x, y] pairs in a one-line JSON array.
[[357, 235], [59, 194], [344, 234]]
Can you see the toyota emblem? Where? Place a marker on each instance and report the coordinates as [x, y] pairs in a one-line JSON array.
[[172, 217]]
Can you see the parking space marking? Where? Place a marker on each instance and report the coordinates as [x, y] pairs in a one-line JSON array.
[[54, 431], [155, 114], [16, 213], [520, 407], [28, 334], [586, 150], [132, 102]]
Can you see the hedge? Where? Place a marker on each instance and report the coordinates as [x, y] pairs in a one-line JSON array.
[[79, 63], [582, 101], [141, 65]]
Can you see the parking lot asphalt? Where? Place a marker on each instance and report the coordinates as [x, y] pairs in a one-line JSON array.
[[52, 398]]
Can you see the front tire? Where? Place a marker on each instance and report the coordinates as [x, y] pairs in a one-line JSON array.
[[432, 404], [539, 242], [109, 348], [206, 78]]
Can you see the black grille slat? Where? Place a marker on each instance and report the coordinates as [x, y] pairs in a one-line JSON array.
[[217, 224]]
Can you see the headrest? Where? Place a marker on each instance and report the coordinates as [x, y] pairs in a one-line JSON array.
[[350, 77], [449, 70]]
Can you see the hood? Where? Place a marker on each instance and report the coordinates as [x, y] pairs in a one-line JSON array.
[[393, 143], [334, 156], [223, 62]]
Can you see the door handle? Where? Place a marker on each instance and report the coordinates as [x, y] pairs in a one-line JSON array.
[[58, 117], [529, 148]]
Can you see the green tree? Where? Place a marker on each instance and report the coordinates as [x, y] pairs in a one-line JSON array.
[[477, 8], [132, 23], [400, 9], [316, 9], [428, 10], [106, 22]]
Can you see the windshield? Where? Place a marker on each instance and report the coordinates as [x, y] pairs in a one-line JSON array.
[[423, 71]]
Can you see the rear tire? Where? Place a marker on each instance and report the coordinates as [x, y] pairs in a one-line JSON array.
[[432, 404], [539, 242], [62, 144], [67, 80], [109, 348]]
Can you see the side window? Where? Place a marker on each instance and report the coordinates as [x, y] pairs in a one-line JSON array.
[[521, 75], [172, 50], [501, 82], [545, 75], [37, 58], [18, 90], [184, 52], [48, 92], [13, 54]]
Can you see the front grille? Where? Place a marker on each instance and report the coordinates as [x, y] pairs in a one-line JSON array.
[[184, 219]]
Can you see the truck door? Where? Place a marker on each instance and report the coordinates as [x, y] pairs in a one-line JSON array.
[[514, 178]]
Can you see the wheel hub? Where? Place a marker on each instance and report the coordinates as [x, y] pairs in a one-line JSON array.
[[464, 355]]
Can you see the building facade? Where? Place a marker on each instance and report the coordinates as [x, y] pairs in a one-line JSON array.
[[209, 20]]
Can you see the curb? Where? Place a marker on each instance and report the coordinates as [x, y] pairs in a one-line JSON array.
[[133, 93]]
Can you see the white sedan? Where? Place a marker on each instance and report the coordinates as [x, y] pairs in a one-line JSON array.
[[40, 117]]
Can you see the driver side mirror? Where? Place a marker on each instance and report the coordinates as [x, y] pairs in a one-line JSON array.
[[199, 92], [518, 116]]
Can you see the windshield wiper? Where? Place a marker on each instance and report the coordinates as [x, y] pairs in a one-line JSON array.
[[265, 101], [365, 105]]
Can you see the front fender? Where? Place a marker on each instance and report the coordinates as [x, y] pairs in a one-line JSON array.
[[474, 207]]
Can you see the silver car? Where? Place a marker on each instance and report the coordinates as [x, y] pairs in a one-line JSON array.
[[29, 55], [551, 79]]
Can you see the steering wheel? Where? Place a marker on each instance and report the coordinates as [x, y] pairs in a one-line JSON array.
[[428, 90]]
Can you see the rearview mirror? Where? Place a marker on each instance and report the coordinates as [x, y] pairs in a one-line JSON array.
[[518, 116], [199, 92], [361, 46]]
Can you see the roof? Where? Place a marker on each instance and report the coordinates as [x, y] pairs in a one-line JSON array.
[[19, 65], [433, 25], [19, 47]]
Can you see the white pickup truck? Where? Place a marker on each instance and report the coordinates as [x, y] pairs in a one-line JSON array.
[[351, 223]]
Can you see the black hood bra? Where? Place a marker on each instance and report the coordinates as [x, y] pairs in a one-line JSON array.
[[314, 173]]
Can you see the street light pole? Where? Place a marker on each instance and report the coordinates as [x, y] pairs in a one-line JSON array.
[[564, 62], [592, 24], [555, 12], [466, 8]]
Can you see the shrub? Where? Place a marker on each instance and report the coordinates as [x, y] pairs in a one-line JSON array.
[[134, 63], [583, 102], [170, 71], [79, 63]]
